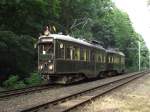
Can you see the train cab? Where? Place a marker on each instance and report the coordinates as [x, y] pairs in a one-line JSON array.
[[46, 54]]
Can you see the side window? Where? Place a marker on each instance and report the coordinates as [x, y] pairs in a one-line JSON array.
[[92, 56], [72, 52], [116, 59], [112, 59], [119, 59], [104, 58], [122, 60], [77, 53], [81, 54], [101, 58], [60, 50], [98, 57], [109, 59], [68, 52], [61, 47], [87, 55]]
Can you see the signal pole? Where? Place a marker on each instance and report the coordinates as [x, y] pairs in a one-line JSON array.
[[149, 59], [139, 56]]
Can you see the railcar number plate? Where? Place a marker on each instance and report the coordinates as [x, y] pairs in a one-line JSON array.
[[47, 40]]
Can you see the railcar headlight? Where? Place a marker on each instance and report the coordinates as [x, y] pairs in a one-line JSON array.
[[50, 67], [41, 67]]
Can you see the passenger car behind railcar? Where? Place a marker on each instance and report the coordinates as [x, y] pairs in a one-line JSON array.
[[115, 61]]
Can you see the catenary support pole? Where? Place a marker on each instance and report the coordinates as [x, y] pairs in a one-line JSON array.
[[139, 56]]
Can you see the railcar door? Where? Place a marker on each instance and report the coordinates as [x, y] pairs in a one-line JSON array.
[[93, 60], [46, 57]]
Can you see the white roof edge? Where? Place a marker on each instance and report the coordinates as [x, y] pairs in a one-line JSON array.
[[116, 52], [72, 39], [80, 41]]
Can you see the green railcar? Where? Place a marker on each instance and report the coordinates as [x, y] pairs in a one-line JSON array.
[[64, 59]]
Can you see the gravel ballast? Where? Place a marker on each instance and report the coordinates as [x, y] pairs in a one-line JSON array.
[[2, 89], [132, 97], [21, 102]]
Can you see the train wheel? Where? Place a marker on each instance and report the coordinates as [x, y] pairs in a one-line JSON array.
[[63, 80], [68, 79], [101, 75], [109, 73]]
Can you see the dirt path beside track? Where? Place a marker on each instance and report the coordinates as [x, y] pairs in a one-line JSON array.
[[132, 97]]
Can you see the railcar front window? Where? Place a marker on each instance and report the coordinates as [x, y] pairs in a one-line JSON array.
[[46, 50]]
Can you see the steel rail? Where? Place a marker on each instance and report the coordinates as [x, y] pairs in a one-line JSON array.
[[102, 93], [56, 103], [11, 90], [9, 93]]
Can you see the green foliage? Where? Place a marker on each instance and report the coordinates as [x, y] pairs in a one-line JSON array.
[[19, 84], [14, 82], [115, 30], [11, 81], [17, 53], [23, 20], [34, 79], [27, 16]]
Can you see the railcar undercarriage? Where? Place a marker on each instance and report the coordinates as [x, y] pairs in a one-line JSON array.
[[64, 78]]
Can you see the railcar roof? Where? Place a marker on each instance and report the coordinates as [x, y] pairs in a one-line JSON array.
[[72, 39], [115, 52]]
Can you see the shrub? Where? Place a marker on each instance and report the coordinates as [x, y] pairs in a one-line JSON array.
[[34, 79], [14, 83], [12, 80], [19, 84]]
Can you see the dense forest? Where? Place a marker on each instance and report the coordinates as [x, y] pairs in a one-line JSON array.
[[22, 21]]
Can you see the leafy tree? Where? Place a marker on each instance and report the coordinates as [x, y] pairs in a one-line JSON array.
[[21, 21], [17, 53], [27, 16]]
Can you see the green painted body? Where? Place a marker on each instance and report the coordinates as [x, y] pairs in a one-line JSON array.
[[94, 62], [67, 66]]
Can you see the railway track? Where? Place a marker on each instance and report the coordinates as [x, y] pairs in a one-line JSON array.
[[24, 91], [72, 101]]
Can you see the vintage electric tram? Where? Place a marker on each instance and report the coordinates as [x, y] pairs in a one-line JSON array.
[[64, 59]]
